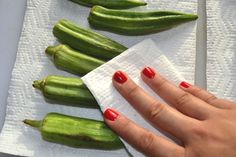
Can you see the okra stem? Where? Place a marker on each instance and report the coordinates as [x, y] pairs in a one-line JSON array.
[[33, 123], [51, 50], [38, 84]]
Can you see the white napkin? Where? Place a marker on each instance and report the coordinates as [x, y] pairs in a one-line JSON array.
[[178, 44], [132, 61], [221, 48]]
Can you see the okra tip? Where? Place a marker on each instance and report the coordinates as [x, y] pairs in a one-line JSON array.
[[192, 16], [143, 3], [195, 17], [33, 123], [51, 50]]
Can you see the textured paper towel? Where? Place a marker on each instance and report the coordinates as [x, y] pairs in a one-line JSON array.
[[131, 61], [31, 64], [221, 48]]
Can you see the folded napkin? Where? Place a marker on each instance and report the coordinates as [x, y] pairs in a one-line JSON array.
[[221, 48], [132, 62]]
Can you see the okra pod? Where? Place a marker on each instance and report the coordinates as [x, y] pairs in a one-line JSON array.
[[112, 3], [73, 61], [136, 23], [87, 41], [65, 89], [76, 132]]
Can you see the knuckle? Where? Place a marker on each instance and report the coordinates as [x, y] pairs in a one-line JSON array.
[[123, 127], [210, 98], [182, 100], [199, 132], [156, 110], [161, 84], [145, 142], [197, 91], [126, 124], [204, 95], [132, 93]]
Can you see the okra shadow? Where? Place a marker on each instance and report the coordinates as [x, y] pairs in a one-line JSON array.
[[55, 149], [68, 10], [126, 33], [54, 102]]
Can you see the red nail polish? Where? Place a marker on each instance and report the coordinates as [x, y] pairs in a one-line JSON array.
[[120, 77], [110, 114], [185, 84], [149, 72]]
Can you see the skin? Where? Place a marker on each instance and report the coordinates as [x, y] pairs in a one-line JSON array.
[[205, 124]]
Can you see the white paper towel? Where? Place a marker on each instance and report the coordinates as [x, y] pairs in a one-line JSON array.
[[31, 64], [132, 61], [221, 48]]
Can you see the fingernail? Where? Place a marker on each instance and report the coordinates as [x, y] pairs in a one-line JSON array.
[[185, 84], [120, 77], [110, 114], [149, 72]]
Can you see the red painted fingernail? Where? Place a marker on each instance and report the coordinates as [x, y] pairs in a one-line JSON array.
[[110, 114], [185, 84], [149, 72], [120, 77]]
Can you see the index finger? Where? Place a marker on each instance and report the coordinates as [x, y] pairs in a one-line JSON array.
[[140, 138]]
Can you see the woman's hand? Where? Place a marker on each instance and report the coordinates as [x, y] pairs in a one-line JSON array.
[[205, 124]]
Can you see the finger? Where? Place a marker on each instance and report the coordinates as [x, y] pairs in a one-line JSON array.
[[181, 100], [205, 96], [159, 114], [141, 139]]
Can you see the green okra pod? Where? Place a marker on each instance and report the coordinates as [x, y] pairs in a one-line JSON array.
[[87, 41], [65, 89], [136, 23], [112, 3], [76, 132], [71, 60]]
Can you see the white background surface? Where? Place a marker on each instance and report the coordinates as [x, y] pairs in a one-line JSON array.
[[11, 17]]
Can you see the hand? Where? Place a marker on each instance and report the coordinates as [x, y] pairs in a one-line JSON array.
[[205, 124]]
